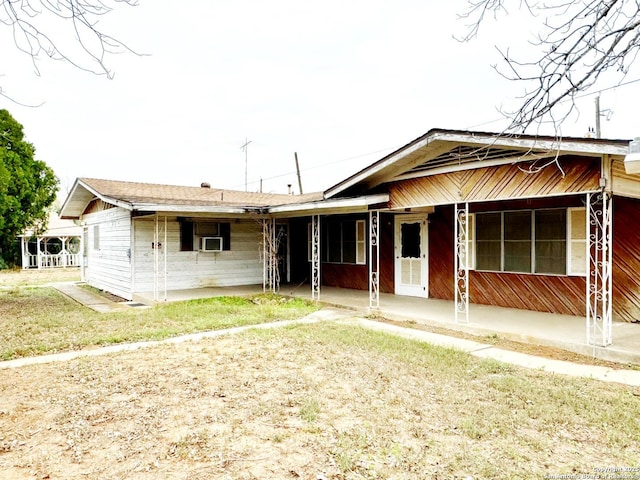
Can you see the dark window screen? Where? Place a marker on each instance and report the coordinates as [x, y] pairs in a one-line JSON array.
[[410, 238]]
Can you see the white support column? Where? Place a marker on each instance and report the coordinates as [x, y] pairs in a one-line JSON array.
[[265, 260], [461, 262], [159, 246], [269, 255], [64, 253], [165, 246], [374, 260], [315, 257], [273, 256], [275, 244], [154, 247], [599, 269], [25, 252], [39, 252]]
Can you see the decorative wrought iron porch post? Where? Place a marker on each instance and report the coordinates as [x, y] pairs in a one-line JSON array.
[[461, 262], [39, 252], [315, 257], [374, 260], [273, 257], [268, 255], [599, 274]]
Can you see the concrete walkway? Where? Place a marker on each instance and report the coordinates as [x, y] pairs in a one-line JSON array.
[[566, 332], [89, 299], [482, 350], [478, 349], [320, 315]]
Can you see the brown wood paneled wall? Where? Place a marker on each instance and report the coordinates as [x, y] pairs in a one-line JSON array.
[[543, 293], [540, 293], [626, 259], [441, 253], [345, 276], [387, 262], [497, 183]]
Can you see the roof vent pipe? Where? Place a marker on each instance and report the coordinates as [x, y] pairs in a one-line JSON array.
[[205, 185]]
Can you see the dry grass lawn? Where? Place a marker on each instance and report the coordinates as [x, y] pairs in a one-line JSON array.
[[35, 321], [20, 278], [312, 401]]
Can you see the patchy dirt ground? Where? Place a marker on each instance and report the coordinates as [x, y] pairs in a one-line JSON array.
[[294, 403]]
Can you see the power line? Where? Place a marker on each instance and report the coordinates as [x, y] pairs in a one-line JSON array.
[[273, 177], [596, 92]]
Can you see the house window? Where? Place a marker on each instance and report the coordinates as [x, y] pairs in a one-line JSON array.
[[191, 231], [551, 241], [489, 241], [344, 241], [361, 242], [96, 237], [517, 242], [186, 235], [526, 241]]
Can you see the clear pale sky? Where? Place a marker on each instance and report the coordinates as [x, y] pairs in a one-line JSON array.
[[340, 82]]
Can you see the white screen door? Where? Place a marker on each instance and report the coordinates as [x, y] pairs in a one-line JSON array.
[[411, 259]]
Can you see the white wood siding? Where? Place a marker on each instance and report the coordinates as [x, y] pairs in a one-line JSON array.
[[109, 266], [241, 265]]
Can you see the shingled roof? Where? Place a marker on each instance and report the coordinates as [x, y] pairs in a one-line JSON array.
[[148, 197], [148, 193]]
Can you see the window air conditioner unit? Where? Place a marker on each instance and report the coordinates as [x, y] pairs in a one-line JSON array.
[[211, 244]]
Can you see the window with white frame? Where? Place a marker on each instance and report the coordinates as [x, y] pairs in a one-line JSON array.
[[545, 241], [192, 232], [96, 237]]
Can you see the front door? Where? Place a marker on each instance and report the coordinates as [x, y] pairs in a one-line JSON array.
[[411, 267]]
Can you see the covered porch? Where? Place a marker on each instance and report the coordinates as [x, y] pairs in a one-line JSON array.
[[561, 331]]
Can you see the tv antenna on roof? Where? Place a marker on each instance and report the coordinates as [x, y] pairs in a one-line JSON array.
[[245, 147]]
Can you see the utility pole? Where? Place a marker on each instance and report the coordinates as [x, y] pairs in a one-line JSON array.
[[245, 148], [298, 172], [598, 132]]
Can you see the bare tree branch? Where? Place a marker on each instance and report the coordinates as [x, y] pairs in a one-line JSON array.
[[579, 40], [64, 30]]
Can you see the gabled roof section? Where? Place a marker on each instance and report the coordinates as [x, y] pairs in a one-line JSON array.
[[442, 151], [147, 197], [56, 227]]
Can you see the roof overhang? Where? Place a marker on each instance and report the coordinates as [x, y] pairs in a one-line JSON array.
[[80, 196], [442, 151], [341, 205], [192, 209]]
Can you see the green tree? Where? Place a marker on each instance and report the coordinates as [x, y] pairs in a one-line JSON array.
[[27, 187]]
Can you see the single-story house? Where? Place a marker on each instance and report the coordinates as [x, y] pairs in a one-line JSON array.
[[530, 222]]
